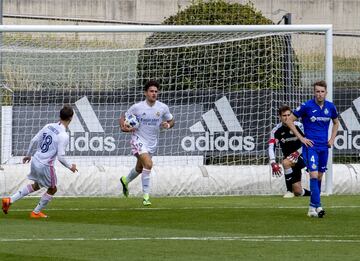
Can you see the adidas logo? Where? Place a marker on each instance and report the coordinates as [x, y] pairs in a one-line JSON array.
[[212, 122], [85, 140], [346, 140], [88, 115], [215, 137]]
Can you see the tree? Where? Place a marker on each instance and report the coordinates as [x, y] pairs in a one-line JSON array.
[[233, 61]]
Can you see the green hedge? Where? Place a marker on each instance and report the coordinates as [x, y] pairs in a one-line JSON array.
[[234, 65]]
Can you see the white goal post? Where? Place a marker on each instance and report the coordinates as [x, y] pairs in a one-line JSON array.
[[223, 84]]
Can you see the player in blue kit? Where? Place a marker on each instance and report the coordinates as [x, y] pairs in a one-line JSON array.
[[316, 115]]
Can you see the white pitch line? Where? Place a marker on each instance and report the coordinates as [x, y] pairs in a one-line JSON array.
[[181, 208], [235, 238]]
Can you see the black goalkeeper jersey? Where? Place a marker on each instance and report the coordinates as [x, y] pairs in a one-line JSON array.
[[282, 135]]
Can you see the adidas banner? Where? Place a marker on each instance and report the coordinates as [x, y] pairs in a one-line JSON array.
[[347, 140], [213, 123]]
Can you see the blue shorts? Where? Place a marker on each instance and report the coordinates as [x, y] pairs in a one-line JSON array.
[[315, 158]]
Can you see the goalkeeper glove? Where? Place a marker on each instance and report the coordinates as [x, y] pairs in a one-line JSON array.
[[293, 157], [276, 170]]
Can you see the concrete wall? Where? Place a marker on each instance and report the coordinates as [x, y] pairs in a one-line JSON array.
[[150, 11], [341, 13]]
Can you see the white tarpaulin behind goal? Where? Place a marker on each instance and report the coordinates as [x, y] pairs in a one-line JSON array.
[[167, 181], [223, 84]]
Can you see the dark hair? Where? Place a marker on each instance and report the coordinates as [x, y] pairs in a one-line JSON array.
[[66, 112], [283, 109], [151, 83], [320, 83]]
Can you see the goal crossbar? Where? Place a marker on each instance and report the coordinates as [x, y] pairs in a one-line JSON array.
[[165, 28]]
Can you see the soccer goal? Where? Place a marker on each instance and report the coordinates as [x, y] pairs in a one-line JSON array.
[[223, 84]]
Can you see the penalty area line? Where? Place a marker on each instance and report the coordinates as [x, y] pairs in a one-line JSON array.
[[235, 238], [180, 208]]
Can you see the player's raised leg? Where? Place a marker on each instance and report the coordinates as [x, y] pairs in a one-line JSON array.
[[6, 205], [125, 180], [6, 202]]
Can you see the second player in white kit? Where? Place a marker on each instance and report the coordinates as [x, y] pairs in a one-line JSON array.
[[51, 141]]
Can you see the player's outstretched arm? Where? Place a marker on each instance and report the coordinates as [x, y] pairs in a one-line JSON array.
[[26, 159], [334, 130], [290, 123], [275, 167], [65, 163], [36, 138], [63, 142]]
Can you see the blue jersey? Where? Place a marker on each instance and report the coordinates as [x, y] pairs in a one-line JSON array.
[[316, 120]]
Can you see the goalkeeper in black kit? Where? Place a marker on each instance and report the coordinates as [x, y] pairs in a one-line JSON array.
[[291, 147]]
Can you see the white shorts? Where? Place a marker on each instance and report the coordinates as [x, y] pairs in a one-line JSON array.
[[138, 147], [44, 175]]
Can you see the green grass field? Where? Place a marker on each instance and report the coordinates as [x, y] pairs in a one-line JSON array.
[[200, 228]]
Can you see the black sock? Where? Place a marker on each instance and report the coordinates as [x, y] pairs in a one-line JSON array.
[[307, 193], [288, 184]]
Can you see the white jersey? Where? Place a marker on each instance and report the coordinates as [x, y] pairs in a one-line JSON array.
[[52, 141], [150, 118]]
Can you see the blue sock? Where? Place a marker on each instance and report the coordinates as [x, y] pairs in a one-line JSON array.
[[319, 182], [315, 193]]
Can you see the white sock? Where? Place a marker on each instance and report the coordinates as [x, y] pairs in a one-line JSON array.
[[132, 175], [44, 200], [21, 193], [145, 178]]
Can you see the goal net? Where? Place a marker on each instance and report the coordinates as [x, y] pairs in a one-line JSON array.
[[222, 86]]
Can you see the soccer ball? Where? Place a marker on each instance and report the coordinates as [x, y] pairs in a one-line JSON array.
[[132, 121]]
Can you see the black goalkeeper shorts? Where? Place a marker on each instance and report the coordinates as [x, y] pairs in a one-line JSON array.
[[296, 174]]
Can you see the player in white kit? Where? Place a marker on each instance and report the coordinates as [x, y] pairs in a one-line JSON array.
[[152, 115], [52, 141]]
